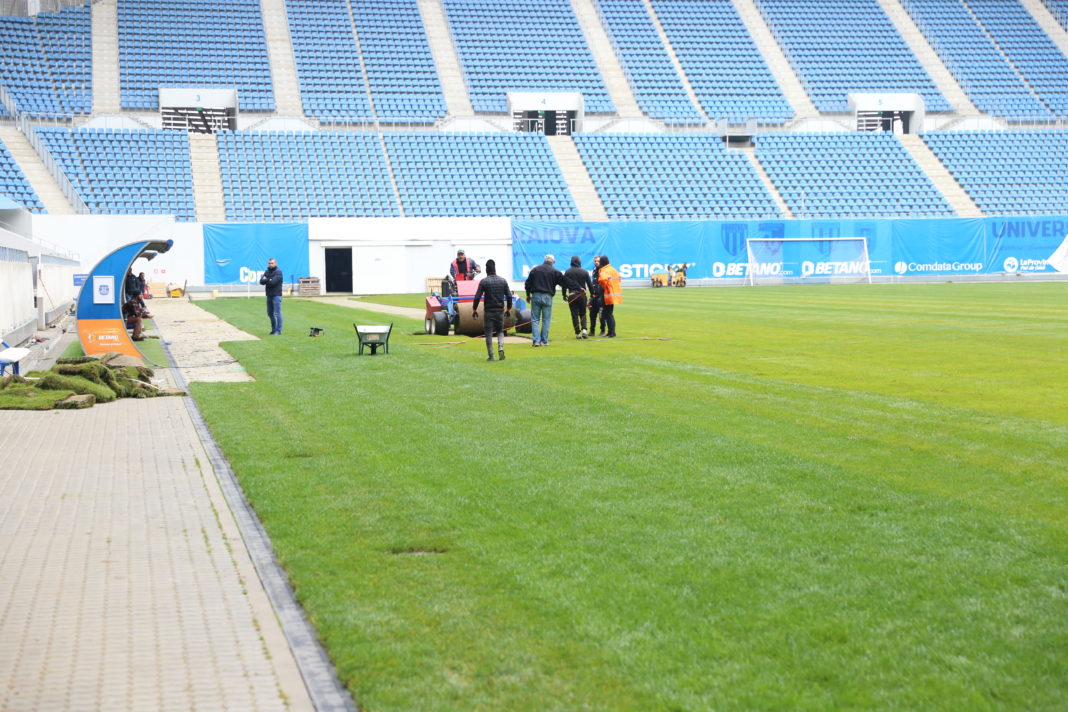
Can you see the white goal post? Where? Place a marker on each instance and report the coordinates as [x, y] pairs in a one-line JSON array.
[[807, 260]]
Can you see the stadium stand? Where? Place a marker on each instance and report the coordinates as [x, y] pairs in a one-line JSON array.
[[13, 183], [1059, 10], [652, 76], [400, 67], [193, 45], [531, 46], [479, 174], [126, 171], [294, 175], [673, 177], [724, 67], [864, 53], [974, 60], [848, 174], [46, 63], [1028, 48], [332, 86], [1008, 172]]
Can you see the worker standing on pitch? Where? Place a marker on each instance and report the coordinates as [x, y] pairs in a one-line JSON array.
[[577, 299], [596, 297], [497, 292], [541, 288], [612, 288], [462, 268]]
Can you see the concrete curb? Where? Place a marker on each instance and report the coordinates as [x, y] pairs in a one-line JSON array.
[[325, 689]]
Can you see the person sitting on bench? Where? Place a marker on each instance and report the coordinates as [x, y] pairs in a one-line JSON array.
[[132, 313]]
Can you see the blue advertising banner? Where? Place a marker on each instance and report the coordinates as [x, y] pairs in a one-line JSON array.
[[717, 248], [237, 253]]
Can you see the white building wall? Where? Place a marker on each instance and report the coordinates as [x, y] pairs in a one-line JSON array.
[[18, 317], [94, 236]]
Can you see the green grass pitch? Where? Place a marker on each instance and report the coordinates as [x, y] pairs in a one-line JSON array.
[[801, 498]]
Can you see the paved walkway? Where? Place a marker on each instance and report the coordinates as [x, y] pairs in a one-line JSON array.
[[125, 583], [194, 335]]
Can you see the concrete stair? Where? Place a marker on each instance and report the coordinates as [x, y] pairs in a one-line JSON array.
[[33, 168], [451, 76], [958, 199], [604, 54], [930, 60], [750, 153], [675, 60], [1048, 23], [392, 175], [280, 52], [207, 178], [773, 56], [105, 55], [589, 204]]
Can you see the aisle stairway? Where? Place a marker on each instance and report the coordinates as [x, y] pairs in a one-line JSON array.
[[451, 76], [105, 33], [943, 180], [605, 56], [207, 178], [33, 168], [280, 52], [773, 55], [927, 57], [578, 179]]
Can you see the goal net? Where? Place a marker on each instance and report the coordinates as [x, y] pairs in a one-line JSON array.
[[807, 260]]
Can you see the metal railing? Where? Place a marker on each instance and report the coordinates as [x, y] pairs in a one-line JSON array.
[[50, 163], [28, 8]]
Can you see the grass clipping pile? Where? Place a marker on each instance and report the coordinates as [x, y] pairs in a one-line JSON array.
[[80, 383]]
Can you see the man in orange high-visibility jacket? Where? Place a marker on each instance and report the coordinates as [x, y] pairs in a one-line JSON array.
[[612, 289]]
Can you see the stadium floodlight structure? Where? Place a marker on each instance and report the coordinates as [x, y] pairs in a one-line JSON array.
[[807, 260]]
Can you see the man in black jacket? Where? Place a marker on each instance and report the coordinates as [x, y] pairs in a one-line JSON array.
[[541, 288], [272, 281], [497, 292], [577, 300]]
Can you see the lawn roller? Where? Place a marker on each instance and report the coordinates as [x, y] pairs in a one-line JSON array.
[[451, 309]]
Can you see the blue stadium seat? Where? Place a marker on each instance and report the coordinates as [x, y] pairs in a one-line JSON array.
[[652, 77], [673, 177], [1059, 10], [848, 175], [1008, 172], [286, 175], [13, 183], [724, 67], [972, 53], [193, 45], [474, 175], [842, 46], [400, 67], [532, 46], [124, 171], [46, 63]]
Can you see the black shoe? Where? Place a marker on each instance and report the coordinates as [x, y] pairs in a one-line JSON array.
[[500, 354], [611, 336], [137, 338], [490, 358]]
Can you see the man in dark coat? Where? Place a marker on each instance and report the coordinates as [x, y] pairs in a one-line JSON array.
[[497, 294], [541, 287], [576, 300], [272, 282]]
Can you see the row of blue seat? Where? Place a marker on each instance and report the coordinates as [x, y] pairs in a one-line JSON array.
[[685, 176]]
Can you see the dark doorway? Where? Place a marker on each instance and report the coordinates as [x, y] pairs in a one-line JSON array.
[[550, 123], [339, 269]]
